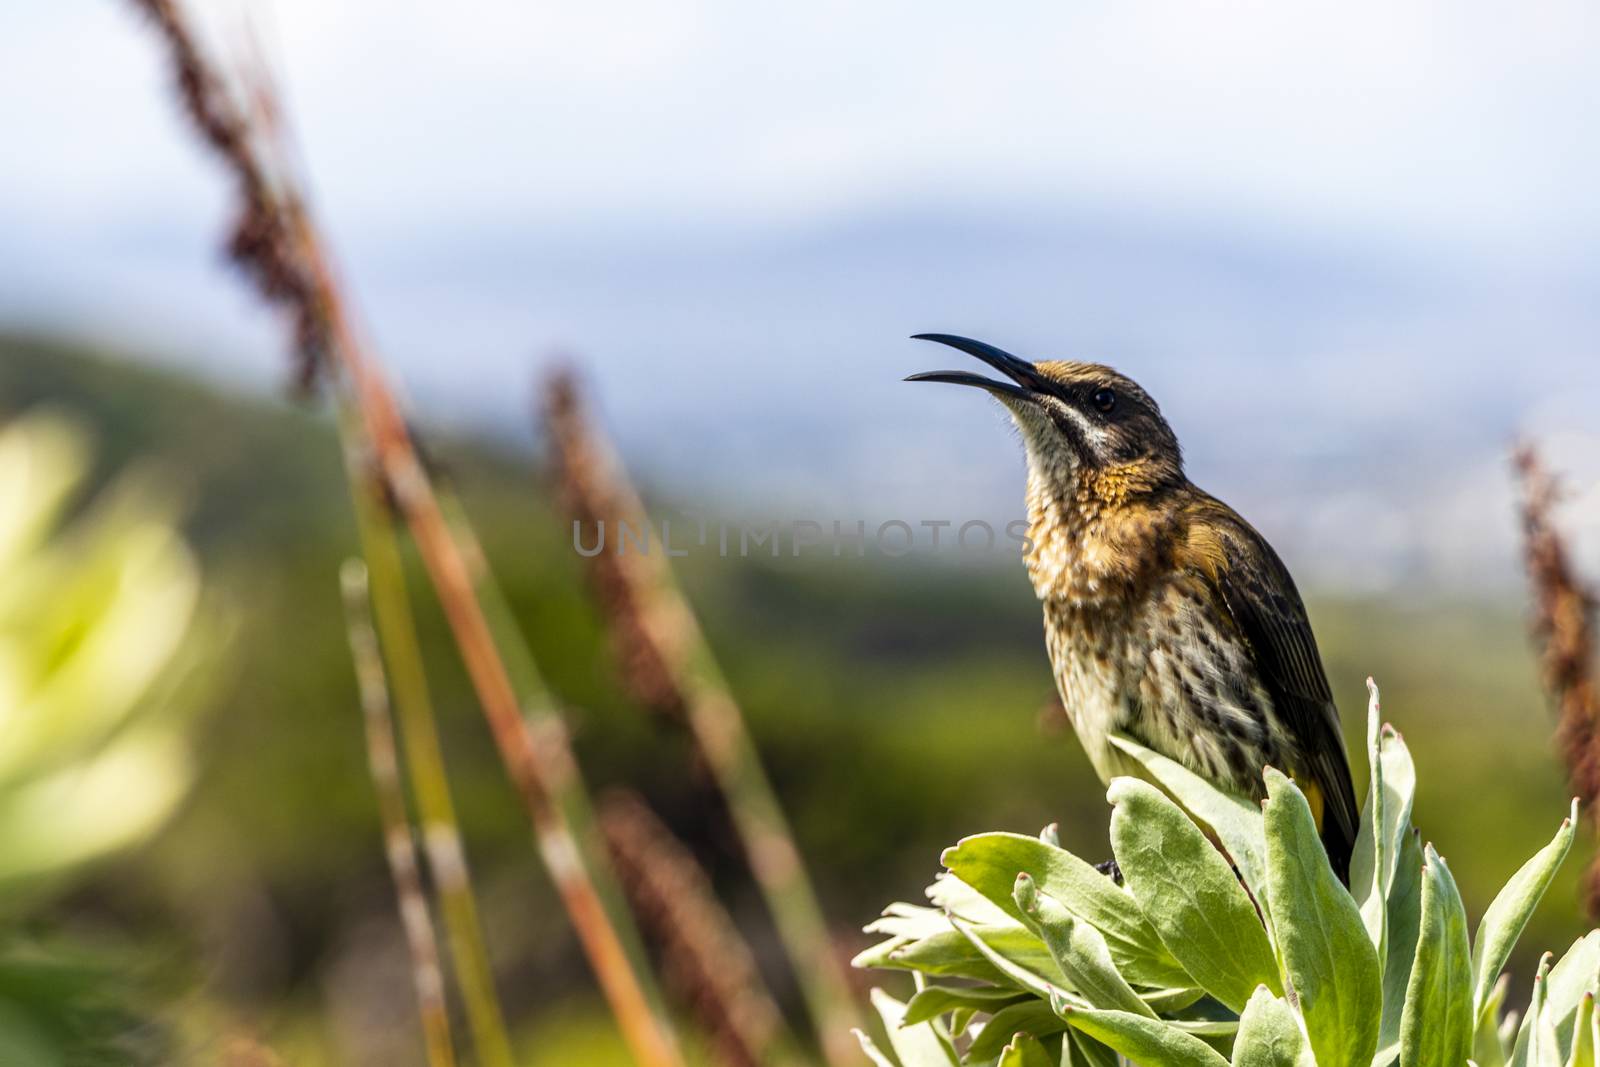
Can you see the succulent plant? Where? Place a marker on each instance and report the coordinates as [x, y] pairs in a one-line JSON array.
[[1230, 941], [92, 621], [97, 664]]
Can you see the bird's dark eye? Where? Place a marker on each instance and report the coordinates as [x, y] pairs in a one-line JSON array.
[[1104, 399]]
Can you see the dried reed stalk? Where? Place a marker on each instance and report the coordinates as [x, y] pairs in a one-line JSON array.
[[705, 957], [542, 715], [283, 253], [670, 666], [430, 781], [259, 242], [1563, 629], [241, 1051], [399, 845]]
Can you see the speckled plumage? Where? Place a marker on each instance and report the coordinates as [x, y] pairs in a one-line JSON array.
[[1167, 616]]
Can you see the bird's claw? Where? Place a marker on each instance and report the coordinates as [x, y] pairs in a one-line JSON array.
[[1110, 869]]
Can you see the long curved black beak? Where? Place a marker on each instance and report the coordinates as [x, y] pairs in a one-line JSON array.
[[1028, 381]]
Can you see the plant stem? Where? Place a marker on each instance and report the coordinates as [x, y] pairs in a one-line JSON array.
[[538, 770], [430, 783], [399, 846], [648, 610], [543, 718], [283, 254]]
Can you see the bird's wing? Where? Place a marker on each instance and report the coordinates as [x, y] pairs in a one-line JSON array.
[[1261, 597]]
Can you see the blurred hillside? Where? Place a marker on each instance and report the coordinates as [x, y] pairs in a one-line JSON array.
[[897, 703], [1356, 400]]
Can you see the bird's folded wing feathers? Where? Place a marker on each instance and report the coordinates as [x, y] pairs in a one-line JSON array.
[[1261, 597]]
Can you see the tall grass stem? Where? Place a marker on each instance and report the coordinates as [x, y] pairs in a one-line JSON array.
[[543, 717], [399, 845], [424, 759], [276, 244]]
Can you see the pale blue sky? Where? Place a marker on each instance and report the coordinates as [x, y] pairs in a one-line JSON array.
[[1445, 121]]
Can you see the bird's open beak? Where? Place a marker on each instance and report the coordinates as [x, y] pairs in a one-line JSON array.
[[1028, 381]]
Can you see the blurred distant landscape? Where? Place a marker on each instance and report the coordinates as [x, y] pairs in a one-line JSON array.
[[1355, 402], [910, 688]]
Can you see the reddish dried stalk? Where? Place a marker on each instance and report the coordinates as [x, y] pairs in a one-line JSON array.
[[670, 667], [705, 957], [535, 771], [1563, 628], [399, 845], [241, 1051], [283, 253]]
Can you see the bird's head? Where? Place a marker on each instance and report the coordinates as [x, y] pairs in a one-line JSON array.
[[1080, 422]]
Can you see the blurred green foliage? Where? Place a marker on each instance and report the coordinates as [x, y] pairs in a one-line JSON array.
[[889, 687], [97, 595], [91, 619]]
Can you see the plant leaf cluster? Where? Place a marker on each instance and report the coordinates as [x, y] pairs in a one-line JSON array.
[[1230, 941]]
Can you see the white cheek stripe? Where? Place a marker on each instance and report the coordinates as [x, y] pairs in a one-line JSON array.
[[1050, 456]]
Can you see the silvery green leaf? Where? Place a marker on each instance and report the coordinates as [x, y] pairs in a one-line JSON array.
[[1367, 859], [961, 900], [1269, 1035], [1235, 821], [1583, 1034], [1508, 1029], [953, 954], [1385, 823], [1489, 1046], [873, 1052], [1086, 1051], [1437, 1022], [1572, 976], [1029, 1017], [936, 1000], [1025, 1051], [919, 1045], [990, 863], [1502, 923], [1403, 915], [1536, 1040], [1051, 835], [1400, 786], [909, 920], [1327, 957], [879, 955], [1190, 894], [1079, 951], [1022, 976], [1143, 1040], [1205, 1027], [1166, 1001]]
